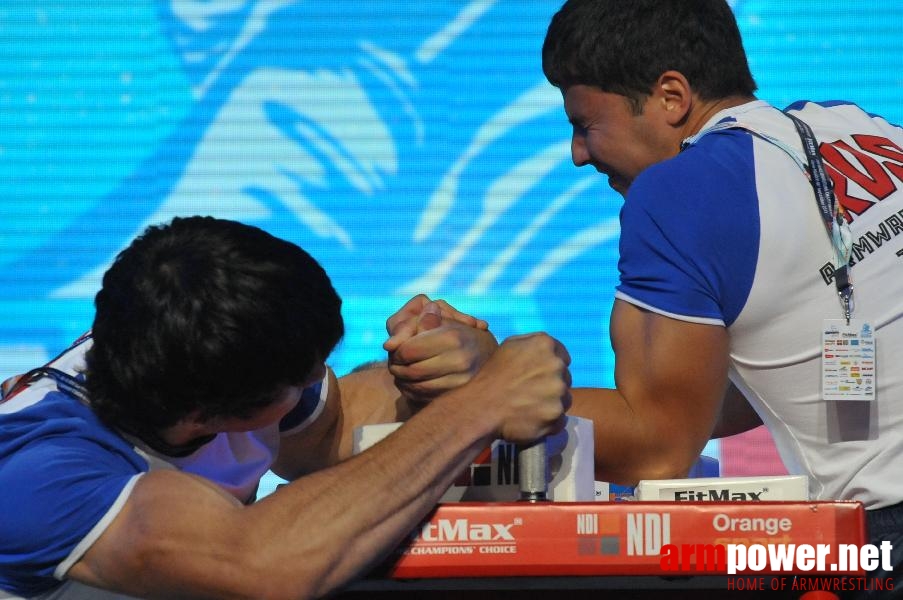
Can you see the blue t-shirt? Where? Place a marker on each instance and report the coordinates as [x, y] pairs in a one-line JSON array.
[[697, 254]]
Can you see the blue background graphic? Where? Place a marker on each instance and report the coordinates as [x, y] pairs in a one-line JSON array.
[[409, 146]]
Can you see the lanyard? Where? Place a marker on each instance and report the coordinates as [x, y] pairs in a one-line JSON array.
[[66, 383], [74, 388], [832, 214], [831, 211]]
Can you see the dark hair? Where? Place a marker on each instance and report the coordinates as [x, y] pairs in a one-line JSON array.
[[206, 315], [622, 46]]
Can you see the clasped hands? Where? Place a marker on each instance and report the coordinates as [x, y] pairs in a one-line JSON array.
[[434, 348]]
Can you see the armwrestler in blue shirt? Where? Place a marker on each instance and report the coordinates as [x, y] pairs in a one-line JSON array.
[[129, 464]]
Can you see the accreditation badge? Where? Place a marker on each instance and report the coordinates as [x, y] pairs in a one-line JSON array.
[[848, 360]]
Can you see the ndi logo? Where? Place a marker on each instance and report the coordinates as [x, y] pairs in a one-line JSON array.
[[496, 465], [647, 533], [587, 524]]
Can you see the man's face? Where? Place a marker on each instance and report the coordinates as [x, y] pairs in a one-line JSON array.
[[610, 137], [192, 429]]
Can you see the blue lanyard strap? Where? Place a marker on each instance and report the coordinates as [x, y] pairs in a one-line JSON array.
[[65, 382], [832, 214], [817, 175], [68, 384]]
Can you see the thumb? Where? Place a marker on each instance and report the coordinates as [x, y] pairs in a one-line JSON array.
[[430, 317]]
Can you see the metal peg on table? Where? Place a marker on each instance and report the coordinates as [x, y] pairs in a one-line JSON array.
[[532, 465]]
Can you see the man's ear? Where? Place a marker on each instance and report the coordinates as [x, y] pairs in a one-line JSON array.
[[675, 96], [192, 421]]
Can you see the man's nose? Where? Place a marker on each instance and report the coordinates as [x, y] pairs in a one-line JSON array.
[[578, 151]]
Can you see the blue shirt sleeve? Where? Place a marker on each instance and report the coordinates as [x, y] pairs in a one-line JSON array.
[[53, 494], [690, 232]]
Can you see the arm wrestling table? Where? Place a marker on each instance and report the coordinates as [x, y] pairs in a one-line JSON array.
[[590, 549]]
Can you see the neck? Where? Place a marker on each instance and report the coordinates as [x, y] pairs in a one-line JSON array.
[[703, 111], [178, 450], [175, 442]]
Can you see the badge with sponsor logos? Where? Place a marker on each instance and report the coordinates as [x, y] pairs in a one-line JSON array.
[[848, 360]]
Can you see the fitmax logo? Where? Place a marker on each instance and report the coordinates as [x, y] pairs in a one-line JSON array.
[[462, 530], [723, 495]]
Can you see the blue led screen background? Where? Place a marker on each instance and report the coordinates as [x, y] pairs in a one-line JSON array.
[[409, 146]]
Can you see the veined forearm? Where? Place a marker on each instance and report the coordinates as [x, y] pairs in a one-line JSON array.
[[330, 526]]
